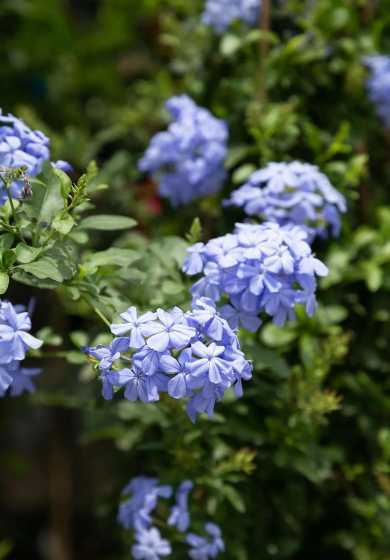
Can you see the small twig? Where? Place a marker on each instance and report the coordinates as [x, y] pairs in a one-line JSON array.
[[13, 209], [265, 27], [97, 311], [368, 11]]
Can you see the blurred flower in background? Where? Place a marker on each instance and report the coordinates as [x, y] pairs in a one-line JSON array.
[[378, 85], [219, 14], [187, 160]]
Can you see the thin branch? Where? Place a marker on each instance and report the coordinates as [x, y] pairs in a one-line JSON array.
[[265, 27]]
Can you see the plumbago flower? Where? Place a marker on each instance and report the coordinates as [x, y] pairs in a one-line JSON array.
[[142, 496], [203, 548], [194, 356], [188, 159], [292, 193], [259, 269], [15, 341], [150, 546], [378, 85], [22, 147], [219, 14]]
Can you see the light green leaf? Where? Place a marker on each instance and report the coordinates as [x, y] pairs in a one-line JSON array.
[[230, 44], [63, 223], [274, 336], [65, 182], [26, 254], [113, 257], [243, 172], [47, 199], [79, 338], [107, 222], [4, 282], [195, 233], [43, 268]]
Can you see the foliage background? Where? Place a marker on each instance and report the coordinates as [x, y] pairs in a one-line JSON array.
[[298, 468]]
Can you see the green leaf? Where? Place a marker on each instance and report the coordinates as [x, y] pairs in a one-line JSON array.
[[79, 338], [234, 497], [8, 258], [47, 199], [56, 265], [107, 222], [29, 280], [113, 257], [243, 172], [43, 268], [48, 336], [65, 182], [4, 282], [230, 44], [6, 241], [374, 277], [195, 233], [26, 254], [63, 223], [274, 336]]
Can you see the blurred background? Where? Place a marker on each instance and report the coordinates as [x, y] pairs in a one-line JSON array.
[[299, 468]]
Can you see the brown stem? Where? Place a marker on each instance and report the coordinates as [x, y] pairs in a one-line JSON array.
[[60, 487], [265, 26], [368, 11], [364, 193]]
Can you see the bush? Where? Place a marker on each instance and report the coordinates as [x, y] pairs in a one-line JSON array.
[[298, 466]]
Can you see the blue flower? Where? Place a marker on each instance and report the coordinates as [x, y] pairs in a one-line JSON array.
[[21, 379], [150, 545], [378, 85], [144, 492], [178, 384], [141, 386], [17, 379], [5, 379], [133, 325], [261, 269], [142, 498], [180, 517], [210, 364], [203, 548], [205, 315], [219, 14], [14, 338], [63, 165], [292, 194], [107, 355], [188, 159], [194, 355], [22, 147], [167, 332]]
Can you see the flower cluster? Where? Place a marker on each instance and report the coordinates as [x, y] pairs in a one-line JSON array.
[[292, 193], [15, 341], [188, 158], [194, 355], [257, 269], [136, 512], [219, 14], [22, 147], [378, 85]]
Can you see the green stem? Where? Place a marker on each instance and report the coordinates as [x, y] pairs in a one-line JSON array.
[[16, 230], [97, 311]]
